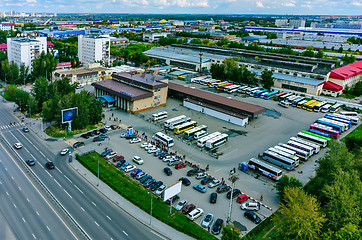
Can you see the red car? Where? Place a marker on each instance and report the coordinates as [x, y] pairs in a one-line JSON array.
[[242, 198], [180, 165], [188, 208], [117, 158]]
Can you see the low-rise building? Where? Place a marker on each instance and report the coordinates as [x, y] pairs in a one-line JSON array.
[[154, 36], [347, 75], [6, 26], [119, 41]]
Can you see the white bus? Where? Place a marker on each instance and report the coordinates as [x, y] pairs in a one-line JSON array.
[[280, 160], [216, 141], [300, 153], [265, 169], [326, 108], [214, 85], [160, 115], [200, 134], [292, 98], [277, 147], [335, 108], [168, 121], [164, 139], [179, 122], [354, 120], [300, 146], [231, 88], [201, 141], [253, 90], [285, 154], [319, 106], [240, 89], [321, 142], [349, 114], [345, 126], [315, 146]]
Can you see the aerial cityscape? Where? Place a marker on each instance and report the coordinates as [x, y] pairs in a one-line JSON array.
[[180, 119]]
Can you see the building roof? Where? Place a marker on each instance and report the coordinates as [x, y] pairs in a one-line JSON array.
[[142, 80], [3, 46], [347, 71], [108, 98], [50, 44], [165, 53], [332, 86], [217, 100], [64, 64], [122, 90]]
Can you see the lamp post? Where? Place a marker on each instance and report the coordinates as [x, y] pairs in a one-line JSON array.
[[233, 179], [151, 208], [200, 60]]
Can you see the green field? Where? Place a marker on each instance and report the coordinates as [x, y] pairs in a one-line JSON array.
[[57, 132]]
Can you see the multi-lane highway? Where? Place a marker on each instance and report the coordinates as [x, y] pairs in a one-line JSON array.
[[96, 215]]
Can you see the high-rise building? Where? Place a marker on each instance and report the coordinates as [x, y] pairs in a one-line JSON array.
[[296, 23], [25, 50], [281, 22], [94, 48]]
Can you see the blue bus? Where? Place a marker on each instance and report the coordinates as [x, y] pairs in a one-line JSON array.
[[269, 95], [334, 126], [319, 133], [258, 93], [339, 120]]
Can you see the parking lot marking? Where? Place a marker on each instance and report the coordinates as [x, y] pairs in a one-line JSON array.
[[109, 218], [94, 204], [78, 189], [82, 209], [67, 193], [125, 233], [96, 223]]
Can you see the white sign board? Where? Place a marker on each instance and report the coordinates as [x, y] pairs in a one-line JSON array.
[[172, 190]]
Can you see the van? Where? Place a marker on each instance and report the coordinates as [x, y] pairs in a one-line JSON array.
[[111, 155], [195, 214], [250, 206], [200, 134]]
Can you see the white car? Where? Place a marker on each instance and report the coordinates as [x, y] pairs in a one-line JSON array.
[[140, 175], [111, 155], [195, 214], [130, 168], [123, 135], [160, 190], [201, 175], [138, 160], [64, 151], [149, 146], [152, 150], [206, 222], [168, 158], [181, 204], [108, 128], [214, 183], [135, 140], [250, 206], [18, 145], [143, 145]]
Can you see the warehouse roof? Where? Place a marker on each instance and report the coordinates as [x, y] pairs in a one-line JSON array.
[[347, 71], [148, 81], [163, 53]]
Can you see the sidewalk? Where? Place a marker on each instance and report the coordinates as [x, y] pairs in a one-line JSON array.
[[157, 226]]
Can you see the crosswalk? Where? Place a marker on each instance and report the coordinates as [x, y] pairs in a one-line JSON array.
[[16, 125]]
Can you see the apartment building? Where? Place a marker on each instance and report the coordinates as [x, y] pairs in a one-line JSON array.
[[94, 48]]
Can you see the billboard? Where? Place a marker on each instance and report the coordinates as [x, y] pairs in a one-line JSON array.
[[68, 114], [172, 190]]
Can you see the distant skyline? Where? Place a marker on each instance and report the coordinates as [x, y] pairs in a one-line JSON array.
[[278, 7]]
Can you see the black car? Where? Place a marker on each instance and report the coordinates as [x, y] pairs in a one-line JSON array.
[[192, 172], [145, 178], [104, 135], [130, 136], [120, 163], [252, 216], [96, 132], [106, 152], [222, 189], [85, 135], [113, 127], [213, 197], [236, 193], [155, 185], [103, 130], [78, 144], [50, 165], [98, 139], [174, 199], [91, 134], [216, 228], [168, 171], [30, 162], [185, 181], [206, 180]]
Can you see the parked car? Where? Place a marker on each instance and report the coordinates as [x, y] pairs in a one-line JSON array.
[[200, 188], [117, 158], [106, 152], [25, 129], [213, 197], [192, 172], [168, 171], [188, 208], [111, 155], [96, 132], [236, 192], [222, 189], [206, 180], [49, 165], [30, 162], [168, 158], [145, 178], [98, 139], [18, 145], [130, 136], [174, 162], [157, 153], [185, 181], [252, 216], [91, 134], [123, 135], [195, 214], [152, 150], [174, 199], [216, 228], [135, 172], [78, 144], [214, 183], [149, 182], [163, 155], [181, 204], [135, 140], [141, 175], [138, 160], [250, 206], [200, 175], [206, 222], [242, 198], [120, 163], [160, 190], [144, 144], [126, 164], [104, 135], [103, 130], [156, 185], [113, 127], [149, 146], [86, 135], [130, 168], [180, 165], [64, 151], [107, 128]]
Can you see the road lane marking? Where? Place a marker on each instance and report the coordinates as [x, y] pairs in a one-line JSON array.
[[82, 209], [28, 199], [48, 228], [1, 182], [33, 236], [78, 189], [68, 179], [19, 188], [12, 178], [96, 223], [57, 182], [7, 193], [59, 171], [125, 233], [109, 218], [48, 173], [23, 219], [41, 166], [67, 193], [14, 205], [37, 213], [6, 169], [94, 204]]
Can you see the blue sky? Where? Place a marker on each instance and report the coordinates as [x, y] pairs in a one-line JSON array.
[[302, 7]]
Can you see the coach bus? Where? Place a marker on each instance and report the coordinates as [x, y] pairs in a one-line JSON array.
[[348, 122], [216, 84], [300, 104], [300, 153], [292, 98], [160, 115], [169, 121], [184, 127], [216, 141], [283, 153], [345, 126], [311, 106], [190, 133], [201, 142], [300, 146], [222, 87], [265, 169], [334, 126], [325, 129], [259, 92], [319, 106], [284, 96], [297, 100], [306, 105], [179, 122], [270, 95], [286, 150], [319, 133], [276, 97], [335, 108], [326, 108], [354, 120], [321, 142], [164, 139], [315, 146], [279, 160]]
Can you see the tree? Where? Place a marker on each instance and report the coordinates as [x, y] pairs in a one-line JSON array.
[[299, 216], [230, 232], [63, 86], [40, 91], [196, 41], [44, 65], [285, 182], [10, 92], [267, 79]]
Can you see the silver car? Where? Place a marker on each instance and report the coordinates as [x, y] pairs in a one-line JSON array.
[[181, 204], [206, 222], [141, 174], [160, 190]]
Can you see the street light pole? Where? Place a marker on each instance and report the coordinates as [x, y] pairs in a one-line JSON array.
[[151, 210], [233, 179], [200, 61]]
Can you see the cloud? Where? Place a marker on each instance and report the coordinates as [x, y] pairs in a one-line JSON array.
[[357, 4], [290, 4], [259, 4]]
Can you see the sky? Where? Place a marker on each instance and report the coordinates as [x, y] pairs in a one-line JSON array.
[[280, 7]]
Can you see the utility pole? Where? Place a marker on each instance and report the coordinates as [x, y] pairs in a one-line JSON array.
[[233, 179], [200, 61]]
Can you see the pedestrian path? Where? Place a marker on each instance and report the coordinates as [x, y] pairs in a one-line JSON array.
[[16, 125]]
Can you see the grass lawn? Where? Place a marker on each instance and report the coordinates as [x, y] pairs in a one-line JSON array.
[[138, 195], [57, 132], [356, 133], [265, 230]]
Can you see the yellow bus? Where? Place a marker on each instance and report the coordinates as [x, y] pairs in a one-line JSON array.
[[306, 105], [312, 105], [184, 127]]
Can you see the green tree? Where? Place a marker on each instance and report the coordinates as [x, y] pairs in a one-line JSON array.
[[63, 86], [40, 91], [9, 92], [299, 216], [285, 182], [267, 79], [44, 65], [349, 232], [230, 232], [23, 74], [21, 98], [196, 41]]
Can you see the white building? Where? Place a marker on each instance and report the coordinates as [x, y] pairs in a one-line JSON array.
[[281, 22], [296, 23], [154, 36], [94, 48], [6, 26], [25, 49]]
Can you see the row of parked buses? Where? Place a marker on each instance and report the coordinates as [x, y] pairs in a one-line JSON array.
[[190, 130], [304, 145]]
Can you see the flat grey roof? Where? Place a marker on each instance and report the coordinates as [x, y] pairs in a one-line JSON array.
[[164, 53], [148, 81]]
